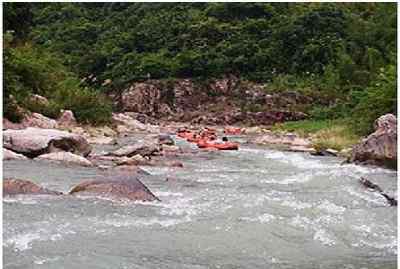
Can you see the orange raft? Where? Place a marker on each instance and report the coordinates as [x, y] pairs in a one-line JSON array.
[[233, 131], [219, 146]]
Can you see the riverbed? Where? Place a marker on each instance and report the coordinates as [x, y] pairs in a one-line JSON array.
[[253, 208]]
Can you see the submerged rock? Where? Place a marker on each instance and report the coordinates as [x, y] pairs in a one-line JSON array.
[[66, 157], [123, 186], [33, 142], [13, 186], [11, 155], [380, 147]]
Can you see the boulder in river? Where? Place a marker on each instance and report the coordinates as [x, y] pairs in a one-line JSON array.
[[122, 186], [13, 186], [33, 142], [380, 147], [11, 155], [141, 148], [65, 157]]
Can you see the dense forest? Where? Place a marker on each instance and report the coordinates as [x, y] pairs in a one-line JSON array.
[[66, 51]]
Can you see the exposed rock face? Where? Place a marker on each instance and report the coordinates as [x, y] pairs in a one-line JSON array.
[[65, 157], [139, 148], [39, 121], [380, 147], [67, 119], [202, 103], [10, 155], [12, 186], [33, 142], [285, 139], [142, 97], [122, 186]]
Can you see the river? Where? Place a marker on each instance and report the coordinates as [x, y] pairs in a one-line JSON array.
[[252, 208]]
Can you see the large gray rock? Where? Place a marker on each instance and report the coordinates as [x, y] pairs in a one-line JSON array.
[[39, 121], [11, 155], [65, 157], [380, 147], [12, 186], [139, 148], [33, 142], [121, 186]]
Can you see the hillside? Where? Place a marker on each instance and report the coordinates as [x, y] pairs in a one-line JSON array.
[[340, 55]]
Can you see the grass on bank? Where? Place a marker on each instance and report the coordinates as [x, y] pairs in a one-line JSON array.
[[324, 134]]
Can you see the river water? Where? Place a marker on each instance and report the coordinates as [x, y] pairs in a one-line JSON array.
[[252, 208]]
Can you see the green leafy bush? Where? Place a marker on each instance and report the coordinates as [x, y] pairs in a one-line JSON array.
[[378, 99]]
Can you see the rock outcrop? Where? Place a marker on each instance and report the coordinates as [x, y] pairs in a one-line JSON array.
[[12, 186], [380, 147], [33, 142], [11, 155], [65, 157], [122, 186]]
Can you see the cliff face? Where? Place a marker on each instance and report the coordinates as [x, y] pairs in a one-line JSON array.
[[221, 101]]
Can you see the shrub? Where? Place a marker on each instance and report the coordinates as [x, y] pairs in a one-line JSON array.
[[88, 106], [378, 99]]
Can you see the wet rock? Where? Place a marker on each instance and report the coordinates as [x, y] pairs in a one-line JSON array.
[[33, 142], [39, 121], [380, 147], [12, 186], [10, 155], [325, 152], [67, 119], [65, 157], [368, 184], [123, 186], [139, 148], [164, 139]]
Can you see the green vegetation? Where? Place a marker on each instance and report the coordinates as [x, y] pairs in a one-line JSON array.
[[341, 54], [334, 134]]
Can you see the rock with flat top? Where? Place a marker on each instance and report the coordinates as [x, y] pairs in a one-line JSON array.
[[33, 142], [65, 157]]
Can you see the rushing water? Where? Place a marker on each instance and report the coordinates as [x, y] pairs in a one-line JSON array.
[[252, 208]]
